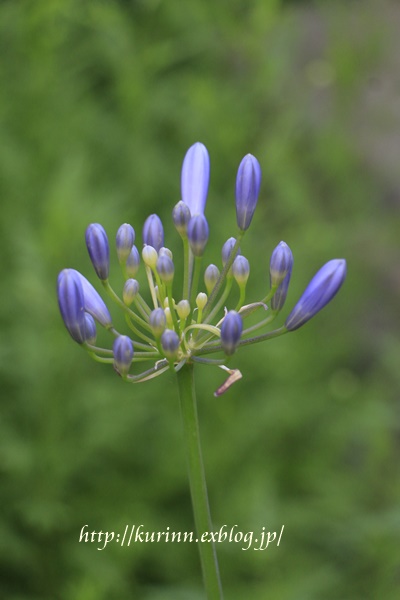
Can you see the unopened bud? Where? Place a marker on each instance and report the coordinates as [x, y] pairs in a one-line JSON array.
[[130, 291]]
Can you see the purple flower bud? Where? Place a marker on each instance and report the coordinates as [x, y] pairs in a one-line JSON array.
[[131, 289], [90, 329], [165, 268], [279, 298], [321, 289], [123, 354], [211, 276], [181, 216], [71, 303], [231, 330], [248, 183], [197, 233], [99, 252], [241, 270], [170, 343], [158, 321], [227, 250], [195, 177], [153, 232], [125, 239], [132, 262], [94, 304], [280, 264]]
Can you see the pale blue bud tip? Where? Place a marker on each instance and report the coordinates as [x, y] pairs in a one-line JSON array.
[[197, 233], [170, 343], [132, 262], [124, 241], [195, 178], [153, 232], [181, 217], [321, 289], [158, 321], [123, 354], [72, 304], [241, 270], [231, 330], [99, 252], [130, 291], [165, 268], [280, 264], [227, 250], [211, 276], [248, 183]]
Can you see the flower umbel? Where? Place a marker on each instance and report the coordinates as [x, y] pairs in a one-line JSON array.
[[170, 327]]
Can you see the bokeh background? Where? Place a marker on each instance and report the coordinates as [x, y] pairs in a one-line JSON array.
[[99, 102]]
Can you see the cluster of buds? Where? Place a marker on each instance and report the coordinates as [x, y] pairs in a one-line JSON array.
[[167, 327]]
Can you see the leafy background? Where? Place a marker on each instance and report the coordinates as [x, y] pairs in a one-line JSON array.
[[99, 102]]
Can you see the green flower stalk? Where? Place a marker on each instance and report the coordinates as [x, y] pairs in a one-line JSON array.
[[173, 327]]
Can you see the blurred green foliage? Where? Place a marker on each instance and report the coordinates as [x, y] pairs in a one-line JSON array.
[[99, 102]]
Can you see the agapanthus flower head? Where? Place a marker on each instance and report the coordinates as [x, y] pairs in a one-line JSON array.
[[197, 233], [171, 319], [124, 241], [321, 289], [248, 182], [72, 304], [280, 264], [153, 232], [231, 330], [195, 178], [123, 354], [98, 248]]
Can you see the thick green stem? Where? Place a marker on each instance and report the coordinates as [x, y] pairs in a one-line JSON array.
[[197, 481]]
